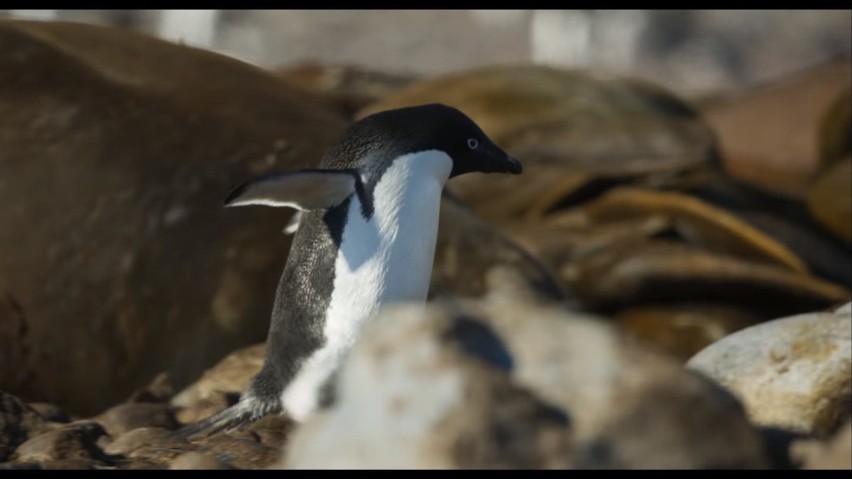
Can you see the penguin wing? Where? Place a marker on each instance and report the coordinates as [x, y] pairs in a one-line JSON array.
[[301, 189], [293, 224]]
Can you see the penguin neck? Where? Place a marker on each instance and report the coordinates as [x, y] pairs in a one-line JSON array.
[[388, 257]]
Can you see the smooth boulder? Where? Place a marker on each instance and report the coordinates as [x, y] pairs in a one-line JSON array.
[[793, 373], [118, 150]]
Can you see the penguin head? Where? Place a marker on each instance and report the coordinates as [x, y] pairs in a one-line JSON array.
[[392, 133], [369, 147]]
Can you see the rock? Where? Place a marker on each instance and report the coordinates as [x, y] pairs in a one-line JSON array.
[[18, 423], [835, 140], [240, 451], [14, 348], [829, 199], [220, 385], [12, 466], [825, 256], [133, 267], [254, 446], [75, 441], [793, 373], [126, 417], [743, 229], [348, 87], [608, 382], [148, 448], [198, 460], [699, 223], [547, 186], [467, 248], [769, 135], [784, 219], [834, 453], [141, 442], [69, 465], [270, 431], [667, 425], [159, 390], [683, 329], [564, 125], [430, 391], [59, 465], [558, 245], [649, 271], [51, 412]]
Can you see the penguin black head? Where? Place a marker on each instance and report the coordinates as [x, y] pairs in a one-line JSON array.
[[369, 146], [385, 135]]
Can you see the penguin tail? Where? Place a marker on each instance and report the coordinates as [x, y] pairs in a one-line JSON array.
[[246, 411]]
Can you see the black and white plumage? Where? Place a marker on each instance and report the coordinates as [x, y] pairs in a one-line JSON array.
[[366, 238]]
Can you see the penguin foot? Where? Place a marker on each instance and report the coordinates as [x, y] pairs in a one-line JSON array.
[[243, 413]]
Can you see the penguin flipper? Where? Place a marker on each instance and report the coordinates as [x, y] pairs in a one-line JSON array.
[[313, 189], [241, 414], [293, 224]]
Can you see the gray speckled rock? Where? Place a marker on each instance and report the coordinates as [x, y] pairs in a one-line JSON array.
[[630, 407], [426, 390], [794, 373]]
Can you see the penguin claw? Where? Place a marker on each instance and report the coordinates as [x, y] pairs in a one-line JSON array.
[[235, 417]]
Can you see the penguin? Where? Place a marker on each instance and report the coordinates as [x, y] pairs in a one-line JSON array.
[[364, 238]]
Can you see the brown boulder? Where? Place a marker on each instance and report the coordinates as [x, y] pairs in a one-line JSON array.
[[118, 150], [348, 87], [647, 271], [769, 136], [829, 199], [14, 347]]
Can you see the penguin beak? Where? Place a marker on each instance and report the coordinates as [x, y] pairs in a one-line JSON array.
[[493, 161], [513, 166]]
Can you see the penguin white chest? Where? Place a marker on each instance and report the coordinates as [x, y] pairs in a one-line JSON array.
[[382, 260]]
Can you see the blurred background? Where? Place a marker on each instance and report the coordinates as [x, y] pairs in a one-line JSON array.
[[690, 51]]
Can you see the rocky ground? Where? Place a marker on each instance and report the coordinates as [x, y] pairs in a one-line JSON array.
[[666, 286]]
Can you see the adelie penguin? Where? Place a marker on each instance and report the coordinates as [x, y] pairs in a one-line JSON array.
[[366, 238]]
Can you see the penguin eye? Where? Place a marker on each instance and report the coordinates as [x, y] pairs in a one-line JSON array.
[[472, 143]]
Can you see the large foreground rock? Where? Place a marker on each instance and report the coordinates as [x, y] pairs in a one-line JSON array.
[[630, 407], [409, 387], [792, 373], [426, 390]]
